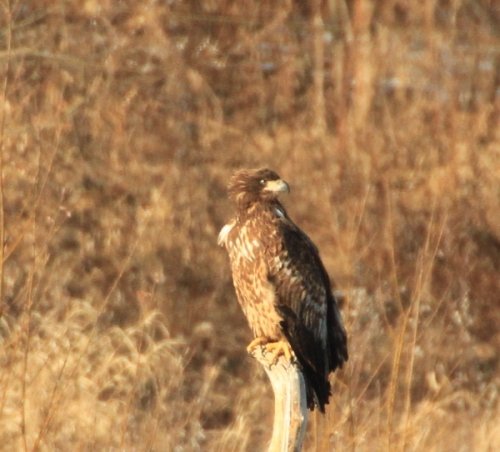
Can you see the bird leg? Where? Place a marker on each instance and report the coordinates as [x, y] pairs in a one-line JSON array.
[[279, 348], [256, 342], [275, 348]]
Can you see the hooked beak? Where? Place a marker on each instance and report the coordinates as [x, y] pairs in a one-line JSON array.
[[277, 186]]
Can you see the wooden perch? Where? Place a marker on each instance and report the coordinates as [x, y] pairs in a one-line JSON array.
[[290, 404]]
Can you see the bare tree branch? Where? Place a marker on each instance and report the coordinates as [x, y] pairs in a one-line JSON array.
[[290, 404]]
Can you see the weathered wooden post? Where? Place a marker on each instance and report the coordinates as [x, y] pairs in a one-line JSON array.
[[290, 404]]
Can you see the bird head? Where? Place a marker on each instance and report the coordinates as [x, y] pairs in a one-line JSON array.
[[247, 187]]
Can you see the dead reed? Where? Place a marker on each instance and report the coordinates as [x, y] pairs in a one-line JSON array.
[[120, 123]]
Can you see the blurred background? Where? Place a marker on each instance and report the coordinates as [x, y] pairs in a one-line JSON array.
[[120, 124]]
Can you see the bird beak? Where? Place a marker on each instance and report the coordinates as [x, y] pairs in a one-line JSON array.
[[277, 186]]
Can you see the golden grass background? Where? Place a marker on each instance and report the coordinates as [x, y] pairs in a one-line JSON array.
[[120, 125]]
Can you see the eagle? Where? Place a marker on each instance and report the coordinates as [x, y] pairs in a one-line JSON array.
[[281, 283]]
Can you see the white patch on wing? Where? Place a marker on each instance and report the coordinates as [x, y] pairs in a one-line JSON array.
[[223, 234], [279, 212], [287, 271]]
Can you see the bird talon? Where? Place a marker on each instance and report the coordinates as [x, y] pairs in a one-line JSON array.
[[261, 340], [277, 349]]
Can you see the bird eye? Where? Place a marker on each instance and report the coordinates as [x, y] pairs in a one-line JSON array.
[[262, 181]]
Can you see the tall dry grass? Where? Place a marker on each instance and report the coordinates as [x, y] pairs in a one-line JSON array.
[[120, 123]]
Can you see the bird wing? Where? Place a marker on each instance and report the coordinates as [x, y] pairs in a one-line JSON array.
[[311, 319]]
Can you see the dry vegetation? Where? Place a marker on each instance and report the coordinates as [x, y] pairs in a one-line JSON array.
[[120, 122]]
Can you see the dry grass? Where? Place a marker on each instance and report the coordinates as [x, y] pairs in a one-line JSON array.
[[119, 125]]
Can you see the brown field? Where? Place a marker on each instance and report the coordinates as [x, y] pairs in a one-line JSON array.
[[120, 123]]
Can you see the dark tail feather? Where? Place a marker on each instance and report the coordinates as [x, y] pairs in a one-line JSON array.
[[336, 335], [310, 357]]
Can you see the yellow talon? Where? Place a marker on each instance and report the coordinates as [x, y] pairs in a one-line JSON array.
[[281, 347], [275, 348], [256, 342]]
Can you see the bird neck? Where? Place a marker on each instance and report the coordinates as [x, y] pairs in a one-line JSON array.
[[259, 207]]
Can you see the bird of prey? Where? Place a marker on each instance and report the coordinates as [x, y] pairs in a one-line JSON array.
[[281, 283]]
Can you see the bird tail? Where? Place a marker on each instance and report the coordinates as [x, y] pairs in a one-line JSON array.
[[310, 357]]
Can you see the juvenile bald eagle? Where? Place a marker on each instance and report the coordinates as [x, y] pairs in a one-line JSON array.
[[281, 283]]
